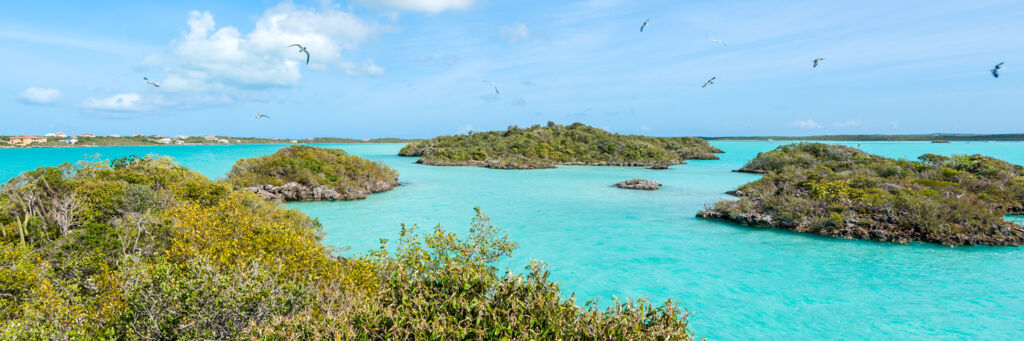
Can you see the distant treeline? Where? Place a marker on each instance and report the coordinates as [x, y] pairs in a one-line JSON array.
[[927, 137]]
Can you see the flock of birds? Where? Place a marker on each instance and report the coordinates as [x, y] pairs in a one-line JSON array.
[[814, 64]]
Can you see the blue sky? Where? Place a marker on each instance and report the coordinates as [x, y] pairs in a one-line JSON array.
[[414, 68]]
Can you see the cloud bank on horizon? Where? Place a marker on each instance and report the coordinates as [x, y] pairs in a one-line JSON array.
[[412, 68]]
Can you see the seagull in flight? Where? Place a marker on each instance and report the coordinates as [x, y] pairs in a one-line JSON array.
[[151, 82], [644, 25], [995, 70], [816, 61], [713, 40], [302, 49], [260, 116], [709, 82], [495, 86]]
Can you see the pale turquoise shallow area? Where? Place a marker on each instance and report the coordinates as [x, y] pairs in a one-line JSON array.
[[740, 283]]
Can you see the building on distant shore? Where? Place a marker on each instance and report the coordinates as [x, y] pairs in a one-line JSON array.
[[137, 135], [88, 135], [70, 140], [51, 134], [25, 140], [164, 141], [115, 135], [210, 138], [62, 134]]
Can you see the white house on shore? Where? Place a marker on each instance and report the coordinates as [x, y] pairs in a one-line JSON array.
[[210, 138], [163, 141]]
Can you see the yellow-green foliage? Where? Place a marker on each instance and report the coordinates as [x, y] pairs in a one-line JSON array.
[[555, 144], [841, 191], [311, 166], [145, 249]]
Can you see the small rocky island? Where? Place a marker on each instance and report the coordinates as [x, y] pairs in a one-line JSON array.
[[552, 145], [304, 173], [641, 184], [843, 192]]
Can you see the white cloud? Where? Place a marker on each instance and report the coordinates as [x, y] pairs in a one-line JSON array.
[[367, 68], [847, 124], [35, 95], [120, 102], [207, 57], [430, 6], [515, 33], [808, 124]]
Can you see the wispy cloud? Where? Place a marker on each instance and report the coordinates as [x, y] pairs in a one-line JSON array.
[[429, 6], [367, 68], [40, 96], [847, 124], [120, 102], [515, 33], [807, 124]]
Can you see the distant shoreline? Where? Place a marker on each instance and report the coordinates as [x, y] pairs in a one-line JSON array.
[[878, 137]]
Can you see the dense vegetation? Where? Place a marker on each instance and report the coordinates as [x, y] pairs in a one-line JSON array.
[[878, 137], [352, 177], [843, 192], [546, 147], [145, 249]]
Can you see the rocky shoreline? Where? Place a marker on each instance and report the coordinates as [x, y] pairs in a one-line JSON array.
[[294, 191], [498, 164], [878, 228], [639, 184]]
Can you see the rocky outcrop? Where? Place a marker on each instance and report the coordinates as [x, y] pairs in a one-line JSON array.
[[294, 191], [647, 185]]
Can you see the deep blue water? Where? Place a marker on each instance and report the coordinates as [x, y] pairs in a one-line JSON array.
[[600, 242]]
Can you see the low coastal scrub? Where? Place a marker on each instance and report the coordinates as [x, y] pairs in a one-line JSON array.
[[839, 191], [141, 248], [312, 173], [546, 147]]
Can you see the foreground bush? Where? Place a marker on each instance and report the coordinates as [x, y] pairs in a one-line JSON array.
[[545, 147], [146, 249], [843, 192]]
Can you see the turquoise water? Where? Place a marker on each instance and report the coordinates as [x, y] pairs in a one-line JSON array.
[[601, 242]]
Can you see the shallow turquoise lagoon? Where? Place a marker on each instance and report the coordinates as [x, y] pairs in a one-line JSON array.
[[600, 242]]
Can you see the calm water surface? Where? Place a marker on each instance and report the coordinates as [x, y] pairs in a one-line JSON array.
[[601, 242]]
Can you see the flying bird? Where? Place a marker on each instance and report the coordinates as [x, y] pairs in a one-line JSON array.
[[816, 61], [995, 70], [644, 25], [260, 116], [302, 49], [495, 86], [151, 82], [709, 82], [713, 40]]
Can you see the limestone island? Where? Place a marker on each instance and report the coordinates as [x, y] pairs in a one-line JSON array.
[[641, 184], [304, 173], [546, 147], [843, 192]]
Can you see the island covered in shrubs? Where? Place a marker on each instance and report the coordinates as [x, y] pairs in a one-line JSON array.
[[144, 249], [303, 173], [839, 191], [552, 145]]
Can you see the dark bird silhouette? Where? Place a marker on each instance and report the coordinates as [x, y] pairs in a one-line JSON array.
[[495, 86], [995, 70], [816, 61], [709, 82], [644, 25], [302, 49], [151, 82], [260, 116]]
